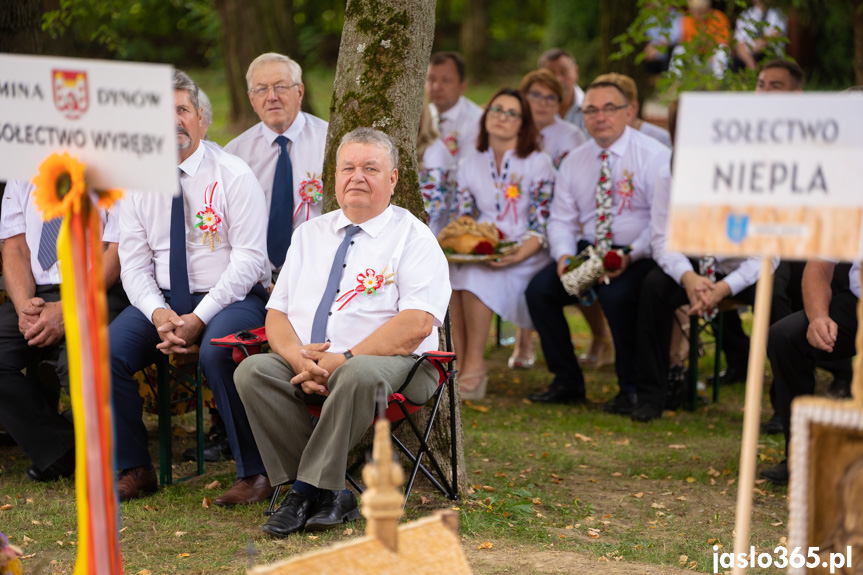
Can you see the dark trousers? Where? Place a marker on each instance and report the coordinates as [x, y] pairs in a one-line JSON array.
[[660, 296], [546, 299], [793, 359], [133, 347], [28, 410]]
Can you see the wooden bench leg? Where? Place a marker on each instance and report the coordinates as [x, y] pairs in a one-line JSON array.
[[163, 378]]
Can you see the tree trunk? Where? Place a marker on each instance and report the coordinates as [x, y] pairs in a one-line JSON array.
[[20, 26], [250, 28], [473, 39], [381, 70], [858, 42], [617, 15]]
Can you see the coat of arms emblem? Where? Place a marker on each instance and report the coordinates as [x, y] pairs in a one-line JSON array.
[[70, 92]]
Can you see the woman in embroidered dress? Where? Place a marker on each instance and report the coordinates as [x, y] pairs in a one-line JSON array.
[[433, 160], [509, 182], [558, 138]]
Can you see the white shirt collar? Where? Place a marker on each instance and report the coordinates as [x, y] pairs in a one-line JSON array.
[[618, 147], [193, 162], [292, 133], [373, 227], [453, 113]]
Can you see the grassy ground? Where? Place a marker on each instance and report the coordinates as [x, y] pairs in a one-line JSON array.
[[553, 490]]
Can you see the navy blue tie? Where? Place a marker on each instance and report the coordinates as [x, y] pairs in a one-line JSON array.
[[281, 222], [181, 299], [48, 242], [322, 314]]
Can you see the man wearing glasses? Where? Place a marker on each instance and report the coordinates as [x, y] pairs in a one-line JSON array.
[[285, 150], [604, 188]]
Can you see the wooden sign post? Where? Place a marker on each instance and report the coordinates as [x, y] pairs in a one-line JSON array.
[[770, 175]]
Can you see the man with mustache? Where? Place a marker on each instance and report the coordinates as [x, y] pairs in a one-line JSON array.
[[193, 268]]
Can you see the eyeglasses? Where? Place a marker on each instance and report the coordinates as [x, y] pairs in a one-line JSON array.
[[505, 115], [278, 89], [606, 111], [540, 99]]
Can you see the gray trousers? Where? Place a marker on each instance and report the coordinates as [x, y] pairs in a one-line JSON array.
[[278, 412]]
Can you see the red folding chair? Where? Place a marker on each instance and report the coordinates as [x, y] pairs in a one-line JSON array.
[[398, 410]]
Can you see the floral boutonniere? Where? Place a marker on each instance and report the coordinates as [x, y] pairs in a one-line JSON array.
[[368, 283], [208, 219], [511, 194], [625, 189], [311, 191]]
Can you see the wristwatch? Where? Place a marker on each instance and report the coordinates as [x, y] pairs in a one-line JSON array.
[[348, 354]]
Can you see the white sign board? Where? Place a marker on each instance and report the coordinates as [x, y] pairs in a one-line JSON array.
[[768, 174], [117, 118]]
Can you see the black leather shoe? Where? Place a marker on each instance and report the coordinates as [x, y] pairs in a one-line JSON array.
[[622, 404], [773, 425], [676, 387], [63, 467], [6, 439], [777, 474], [840, 388], [557, 395], [213, 451], [290, 517], [729, 376], [646, 412], [333, 508]]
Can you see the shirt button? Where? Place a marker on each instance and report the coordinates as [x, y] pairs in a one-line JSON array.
[[344, 265], [330, 313], [338, 290], [352, 242]]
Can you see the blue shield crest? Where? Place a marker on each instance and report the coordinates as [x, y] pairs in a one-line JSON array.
[[736, 226]]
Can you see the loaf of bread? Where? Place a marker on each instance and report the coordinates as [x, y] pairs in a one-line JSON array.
[[463, 235]]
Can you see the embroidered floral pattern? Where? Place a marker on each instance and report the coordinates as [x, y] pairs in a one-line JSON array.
[[625, 191], [311, 192], [540, 205], [451, 143], [433, 184], [368, 283], [465, 204], [209, 219]]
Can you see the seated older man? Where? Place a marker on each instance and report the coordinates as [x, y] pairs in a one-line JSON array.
[[383, 285]]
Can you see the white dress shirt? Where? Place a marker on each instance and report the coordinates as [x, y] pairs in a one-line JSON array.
[[437, 185], [560, 138], [308, 138], [228, 270], [746, 30], [21, 216], [740, 273], [394, 245], [634, 157], [459, 128], [854, 277], [574, 115]]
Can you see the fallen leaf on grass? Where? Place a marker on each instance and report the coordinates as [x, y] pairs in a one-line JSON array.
[[206, 503], [568, 527], [690, 480], [28, 540], [6, 507], [730, 482], [488, 488], [150, 508], [312, 537], [617, 474], [123, 529], [30, 500], [758, 491], [475, 407], [584, 438], [184, 555], [594, 533], [692, 565], [423, 499], [677, 446], [624, 441], [638, 495], [145, 572], [683, 559], [179, 533], [713, 473], [643, 476], [485, 545], [213, 484], [681, 498], [776, 524], [35, 522], [537, 501], [348, 531], [656, 505]]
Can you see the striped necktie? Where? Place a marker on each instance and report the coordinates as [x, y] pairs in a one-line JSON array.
[[48, 242]]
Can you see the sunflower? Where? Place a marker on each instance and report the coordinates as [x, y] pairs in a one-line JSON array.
[[59, 185], [106, 198]]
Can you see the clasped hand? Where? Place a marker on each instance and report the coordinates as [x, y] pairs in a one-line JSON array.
[[177, 332], [313, 366], [41, 322], [703, 294]]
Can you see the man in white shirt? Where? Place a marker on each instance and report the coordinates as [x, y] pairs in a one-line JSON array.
[[825, 329], [756, 34], [700, 282], [291, 182], [457, 118], [562, 64], [31, 327], [192, 267], [366, 288], [621, 163]]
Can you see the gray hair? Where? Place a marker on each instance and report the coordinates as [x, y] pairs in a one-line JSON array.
[[183, 81], [852, 89], [207, 115], [294, 69], [374, 137]]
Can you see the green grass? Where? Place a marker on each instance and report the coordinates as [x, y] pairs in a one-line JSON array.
[[540, 478]]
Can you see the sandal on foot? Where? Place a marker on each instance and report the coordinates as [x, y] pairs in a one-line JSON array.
[[476, 391], [516, 362]]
